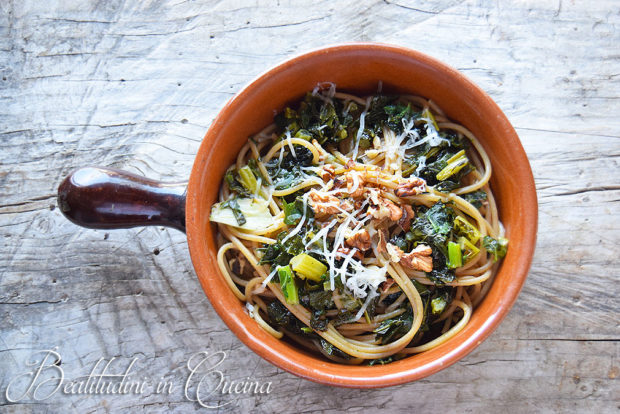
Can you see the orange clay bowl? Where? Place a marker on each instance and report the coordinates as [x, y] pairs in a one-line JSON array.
[[359, 68], [104, 198]]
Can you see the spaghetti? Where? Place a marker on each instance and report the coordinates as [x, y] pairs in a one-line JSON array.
[[363, 228]]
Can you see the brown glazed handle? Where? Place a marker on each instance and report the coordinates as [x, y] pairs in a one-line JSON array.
[[105, 198]]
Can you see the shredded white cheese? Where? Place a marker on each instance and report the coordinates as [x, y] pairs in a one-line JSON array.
[[290, 143], [271, 275], [366, 278], [373, 294], [360, 131], [325, 95], [304, 198]]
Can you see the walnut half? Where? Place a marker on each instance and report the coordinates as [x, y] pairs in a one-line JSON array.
[[360, 240], [413, 186], [384, 208], [327, 204], [418, 259]]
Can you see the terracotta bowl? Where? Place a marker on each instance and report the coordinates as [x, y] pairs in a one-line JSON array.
[[356, 68]]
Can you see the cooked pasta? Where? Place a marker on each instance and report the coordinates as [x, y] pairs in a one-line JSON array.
[[362, 228]]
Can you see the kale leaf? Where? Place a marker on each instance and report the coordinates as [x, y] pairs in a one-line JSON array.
[[317, 118], [289, 173], [330, 349], [281, 253], [381, 361], [319, 321], [392, 329], [294, 211], [376, 115], [441, 276], [433, 225], [344, 316], [232, 180], [497, 247], [398, 115], [476, 198], [281, 316], [320, 300]]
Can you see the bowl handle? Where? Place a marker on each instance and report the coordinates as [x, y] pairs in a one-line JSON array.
[[105, 198]]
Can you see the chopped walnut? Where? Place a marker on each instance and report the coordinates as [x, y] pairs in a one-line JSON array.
[[360, 240], [339, 182], [418, 259], [413, 186], [405, 220], [355, 183], [327, 172], [323, 204], [385, 209], [346, 251], [394, 252]]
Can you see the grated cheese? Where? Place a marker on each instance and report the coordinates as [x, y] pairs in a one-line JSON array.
[[366, 278], [271, 275], [297, 228], [360, 130], [290, 143], [373, 294]]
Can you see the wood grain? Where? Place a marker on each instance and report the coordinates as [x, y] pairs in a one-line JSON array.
[[135, 84]]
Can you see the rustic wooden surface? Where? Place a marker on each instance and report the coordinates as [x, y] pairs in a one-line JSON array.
[[134, 85]]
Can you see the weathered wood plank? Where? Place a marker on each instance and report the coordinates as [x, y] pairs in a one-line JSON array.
[[135, 85]]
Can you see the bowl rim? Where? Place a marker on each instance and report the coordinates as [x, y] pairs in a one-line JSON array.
[[373, 378]]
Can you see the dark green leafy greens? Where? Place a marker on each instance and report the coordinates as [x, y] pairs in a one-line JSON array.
[[281, 252], [476, 198], [434, 226], [497, 247], [381, 361], [318, 301], [435, 300], [392, 329], [325, 120], [281, 316], [330, 349], [232, 180], [288, 171], [288, 285], [294, 211], [319, 321], [441, 276]]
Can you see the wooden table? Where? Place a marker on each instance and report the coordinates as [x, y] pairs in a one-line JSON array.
[[135, 85]]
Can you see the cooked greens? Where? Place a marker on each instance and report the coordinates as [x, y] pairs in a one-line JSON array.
[[348, 208]]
